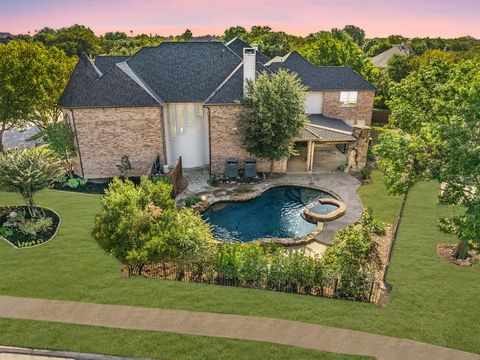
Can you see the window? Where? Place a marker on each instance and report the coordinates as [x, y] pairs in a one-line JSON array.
[[348, 98]]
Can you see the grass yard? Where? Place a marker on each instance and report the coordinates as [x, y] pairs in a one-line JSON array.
[[149, 344], [432, 300]]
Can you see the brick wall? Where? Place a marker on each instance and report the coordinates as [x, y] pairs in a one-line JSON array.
[[361, 114], [225, 140], [106, 134]]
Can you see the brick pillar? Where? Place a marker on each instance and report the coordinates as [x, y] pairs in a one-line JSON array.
[[357, 151]]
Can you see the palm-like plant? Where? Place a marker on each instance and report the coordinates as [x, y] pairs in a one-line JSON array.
[[27, 171]]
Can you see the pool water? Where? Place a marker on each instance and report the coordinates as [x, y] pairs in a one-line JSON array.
[[278, 212]]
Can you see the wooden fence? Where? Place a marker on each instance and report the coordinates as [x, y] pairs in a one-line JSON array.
[[175, 177]]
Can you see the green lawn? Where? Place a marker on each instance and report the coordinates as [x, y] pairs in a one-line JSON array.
[[432, 300], [149, 344]]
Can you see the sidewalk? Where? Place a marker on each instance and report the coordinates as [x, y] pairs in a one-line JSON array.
[[285, 332]]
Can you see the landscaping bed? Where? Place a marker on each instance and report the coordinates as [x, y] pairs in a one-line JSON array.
[[87, 187], [446, 251], [20, 230]]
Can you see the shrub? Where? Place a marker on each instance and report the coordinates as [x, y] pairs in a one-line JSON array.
[[192, 200], [27, 171], [5, 231], [140, 225], [366, 173], [370, 224], [34, 226], [228, 261], [254, 265], [214, 181], [351, 250]]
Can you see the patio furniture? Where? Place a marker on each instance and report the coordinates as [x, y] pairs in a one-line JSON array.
[[231, 168], [250, 168]]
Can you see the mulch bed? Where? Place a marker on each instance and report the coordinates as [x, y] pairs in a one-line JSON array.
[[91, 187], [18, 237], [446, 251]]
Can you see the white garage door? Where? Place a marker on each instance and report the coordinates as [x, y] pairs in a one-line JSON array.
[[314, 102], [188, 135]]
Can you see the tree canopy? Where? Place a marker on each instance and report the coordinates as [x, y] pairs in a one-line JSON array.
[[32, 79], [436, 136], [275, 115]]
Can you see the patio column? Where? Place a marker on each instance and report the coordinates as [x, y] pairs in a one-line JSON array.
[[309, 154], [312, 149]]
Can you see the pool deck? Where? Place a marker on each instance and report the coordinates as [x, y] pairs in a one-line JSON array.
[[338, 183]]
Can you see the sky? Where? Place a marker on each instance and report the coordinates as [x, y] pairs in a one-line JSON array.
[[444, 18]]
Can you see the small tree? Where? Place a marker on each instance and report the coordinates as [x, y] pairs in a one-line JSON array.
[[275, 116], [125, 166], [27, 171], [59, 136]]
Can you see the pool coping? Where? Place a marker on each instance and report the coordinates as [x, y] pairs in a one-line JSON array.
[[203, 206]]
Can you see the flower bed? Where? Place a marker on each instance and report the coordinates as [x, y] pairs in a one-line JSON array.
[[21, 231]]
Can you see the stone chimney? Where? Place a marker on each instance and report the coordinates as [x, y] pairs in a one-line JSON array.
[[249, 62]]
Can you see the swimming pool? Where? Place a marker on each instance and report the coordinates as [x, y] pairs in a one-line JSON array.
[[277, 213]]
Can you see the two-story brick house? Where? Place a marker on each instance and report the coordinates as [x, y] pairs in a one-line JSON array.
[[183, 99]]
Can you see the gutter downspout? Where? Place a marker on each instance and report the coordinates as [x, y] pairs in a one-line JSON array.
[[209, 143], [78, 145]]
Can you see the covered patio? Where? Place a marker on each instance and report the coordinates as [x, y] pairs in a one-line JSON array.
[[321, 148]]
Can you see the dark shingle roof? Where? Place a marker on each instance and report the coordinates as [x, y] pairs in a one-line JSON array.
[[231, 90], [114, 89], [328, 122], [104, 63], [319, 78], [310, 132], [82, 78], [184, 72], [207, 72], [237, 45]]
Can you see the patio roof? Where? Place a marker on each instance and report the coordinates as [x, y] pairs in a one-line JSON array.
[[320, 134]]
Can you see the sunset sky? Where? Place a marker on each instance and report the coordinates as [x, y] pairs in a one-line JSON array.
[[445, 18]]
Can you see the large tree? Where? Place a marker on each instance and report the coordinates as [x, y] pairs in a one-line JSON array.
[[274, 44], [357, 34], [233, 32], [73, 40], [275, 115], [32, 78], [437, 136], [337, 49]]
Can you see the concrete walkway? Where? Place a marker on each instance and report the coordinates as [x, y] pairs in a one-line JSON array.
[[286, 332]]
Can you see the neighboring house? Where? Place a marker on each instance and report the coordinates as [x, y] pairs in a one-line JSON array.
[[381, 60], [183, 99], [5, 37]]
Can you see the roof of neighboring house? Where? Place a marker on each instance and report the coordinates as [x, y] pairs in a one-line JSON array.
[[6, 37], [105, 62], [318, 78], [209, 72], [381, 60], [237, 45]]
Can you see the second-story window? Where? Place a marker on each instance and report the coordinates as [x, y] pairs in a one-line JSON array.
[[348, 98]]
